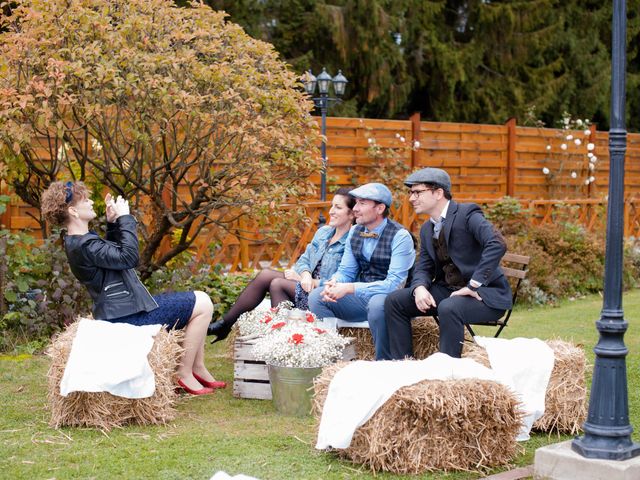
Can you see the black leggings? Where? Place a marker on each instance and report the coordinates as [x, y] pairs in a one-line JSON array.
[[272, 281]]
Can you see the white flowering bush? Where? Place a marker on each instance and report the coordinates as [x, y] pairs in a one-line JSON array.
[[570, 162], [300, 344]]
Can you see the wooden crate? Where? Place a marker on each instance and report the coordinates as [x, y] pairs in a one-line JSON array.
[[251, 376]]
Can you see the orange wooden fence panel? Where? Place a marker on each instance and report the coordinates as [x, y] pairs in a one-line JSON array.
[[486, 162]]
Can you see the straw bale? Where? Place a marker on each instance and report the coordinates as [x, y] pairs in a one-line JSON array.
[[103, 410], [425, 339], [434, 425], [362, 341], [565, 407]]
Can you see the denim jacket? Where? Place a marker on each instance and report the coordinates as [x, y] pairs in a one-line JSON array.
[[320, 250]]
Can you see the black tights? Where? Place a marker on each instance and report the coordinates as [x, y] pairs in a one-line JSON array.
[[279, 288]]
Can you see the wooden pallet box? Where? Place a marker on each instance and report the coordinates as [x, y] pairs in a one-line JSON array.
[[251, 376]]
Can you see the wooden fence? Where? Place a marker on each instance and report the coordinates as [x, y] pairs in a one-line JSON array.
[[540, 167], [241, 253]]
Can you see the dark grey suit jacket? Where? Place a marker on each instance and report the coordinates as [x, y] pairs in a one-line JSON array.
[[475, 247]]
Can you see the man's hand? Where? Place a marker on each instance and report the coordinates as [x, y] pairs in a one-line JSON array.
[[468, 292], [291, 274], [334, 291], [424, 300], [306, 282]]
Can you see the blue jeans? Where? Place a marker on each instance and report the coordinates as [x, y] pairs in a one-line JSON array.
[[350, 308]]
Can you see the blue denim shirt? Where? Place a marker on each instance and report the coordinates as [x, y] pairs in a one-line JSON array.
[[403, 255], [319, 249]]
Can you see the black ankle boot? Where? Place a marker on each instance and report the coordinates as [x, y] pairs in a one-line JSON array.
[[220, 329]]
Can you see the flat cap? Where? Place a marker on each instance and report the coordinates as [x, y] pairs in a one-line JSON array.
[[436, 176], [373, 191]]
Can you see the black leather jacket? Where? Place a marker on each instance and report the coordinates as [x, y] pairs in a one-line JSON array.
[[106, 268]]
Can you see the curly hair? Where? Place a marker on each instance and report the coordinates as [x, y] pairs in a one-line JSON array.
[[56, 200]]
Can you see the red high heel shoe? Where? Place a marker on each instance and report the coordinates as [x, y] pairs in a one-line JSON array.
[[213, 384], [201, 391]]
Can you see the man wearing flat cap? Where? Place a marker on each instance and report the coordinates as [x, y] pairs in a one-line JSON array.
[[377, 257], [457, 275]]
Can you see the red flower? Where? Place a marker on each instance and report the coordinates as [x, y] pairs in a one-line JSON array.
[[273, 309], [278, 325], [319, 330], [266, 319], [296, 339], [310, 318]]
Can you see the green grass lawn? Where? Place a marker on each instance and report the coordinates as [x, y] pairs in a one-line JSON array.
[[219, 432]]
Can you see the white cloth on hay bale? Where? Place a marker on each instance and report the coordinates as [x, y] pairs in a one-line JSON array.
[[358, 390], [525, 366], [110, 357]]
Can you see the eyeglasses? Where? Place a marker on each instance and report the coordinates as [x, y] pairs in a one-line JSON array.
[[416, 193], [69, 192]]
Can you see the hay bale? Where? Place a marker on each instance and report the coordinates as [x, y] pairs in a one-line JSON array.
[[434, 425], [362, 342], [426, 337], [425, 333], [103, 410], [566, 399]]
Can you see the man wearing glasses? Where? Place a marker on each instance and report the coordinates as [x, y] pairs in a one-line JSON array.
[[457, 275]]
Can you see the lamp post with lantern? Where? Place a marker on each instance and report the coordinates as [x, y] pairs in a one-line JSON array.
[[323, 81]]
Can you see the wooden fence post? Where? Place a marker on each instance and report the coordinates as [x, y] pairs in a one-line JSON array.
[[511, 156], [244, 243], [415, 137]]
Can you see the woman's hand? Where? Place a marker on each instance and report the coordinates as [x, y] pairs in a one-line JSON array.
[[290, 274], [111, 210], [306, 282], [115, 208]]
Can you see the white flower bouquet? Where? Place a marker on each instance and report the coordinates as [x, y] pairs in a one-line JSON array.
[[258, 323], [300, 344]]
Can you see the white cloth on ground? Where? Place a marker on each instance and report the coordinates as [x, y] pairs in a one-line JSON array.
[[220, 475], [360, 388], [110, 357], [524, 365]]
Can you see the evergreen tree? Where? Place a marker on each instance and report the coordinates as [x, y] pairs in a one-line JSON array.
[[454, 60]]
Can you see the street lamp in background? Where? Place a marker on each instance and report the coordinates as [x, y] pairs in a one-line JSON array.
[[322, 101]]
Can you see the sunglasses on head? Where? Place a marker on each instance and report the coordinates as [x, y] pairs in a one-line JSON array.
[[69, 192]]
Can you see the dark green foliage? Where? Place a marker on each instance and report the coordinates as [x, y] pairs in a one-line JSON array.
[[458, 60], [40, 293]]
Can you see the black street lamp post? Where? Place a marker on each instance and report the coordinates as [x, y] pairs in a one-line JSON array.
[[323, 81], [607, 431]]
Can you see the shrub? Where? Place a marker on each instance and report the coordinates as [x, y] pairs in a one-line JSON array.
[[176, 109], [566, 259], [40, 292]]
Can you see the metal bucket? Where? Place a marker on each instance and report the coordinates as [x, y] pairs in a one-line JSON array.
[[292, 389]]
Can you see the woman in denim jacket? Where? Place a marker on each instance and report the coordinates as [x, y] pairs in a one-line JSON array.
[[316, 265]]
